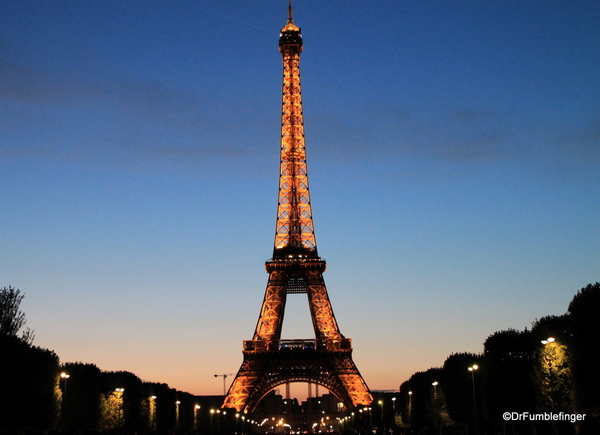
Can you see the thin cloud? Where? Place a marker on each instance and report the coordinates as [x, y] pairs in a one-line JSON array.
[[28, 85], [465, 135], [483, 148], [469, 114], [11, 152], [178, 152], [143, 111], [583, 142], [33, 86]]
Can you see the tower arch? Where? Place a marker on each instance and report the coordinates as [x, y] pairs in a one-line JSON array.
[[267, 388]]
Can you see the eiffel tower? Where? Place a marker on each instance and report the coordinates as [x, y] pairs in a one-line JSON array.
[[296, 267]]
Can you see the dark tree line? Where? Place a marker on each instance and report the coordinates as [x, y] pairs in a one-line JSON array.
[[552, 367], [94, 401], [38, 395]]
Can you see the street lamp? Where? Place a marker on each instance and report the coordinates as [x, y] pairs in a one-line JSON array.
[[436, 405], [64, 377], [119, 392], [370, 421], [549, 359], [472, 369], [410, 394], [152, 416], [196, 419]]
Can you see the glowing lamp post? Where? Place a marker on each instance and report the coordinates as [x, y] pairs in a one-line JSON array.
[[119, 393], [472, 369], [436, 405], [546, 342], [64, 376], [152, 413], [196, 417], [410, 394]]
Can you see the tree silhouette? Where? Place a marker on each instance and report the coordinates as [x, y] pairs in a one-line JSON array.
[[459, 386], [12, 319], [584, 347], [552, 370], [29, 399], [508, 385]]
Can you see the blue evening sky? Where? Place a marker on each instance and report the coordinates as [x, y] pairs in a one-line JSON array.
[[454, 156]]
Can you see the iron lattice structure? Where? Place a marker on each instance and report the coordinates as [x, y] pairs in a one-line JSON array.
[[295, 267]]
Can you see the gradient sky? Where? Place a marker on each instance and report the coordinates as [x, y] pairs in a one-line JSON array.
[[453, 153]]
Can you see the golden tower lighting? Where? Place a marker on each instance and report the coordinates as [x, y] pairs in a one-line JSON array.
[[296, 267]]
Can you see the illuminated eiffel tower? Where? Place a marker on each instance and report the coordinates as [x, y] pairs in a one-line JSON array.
[[296, 267]]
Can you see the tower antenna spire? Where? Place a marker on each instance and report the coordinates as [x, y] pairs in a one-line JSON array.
[[290, 20]]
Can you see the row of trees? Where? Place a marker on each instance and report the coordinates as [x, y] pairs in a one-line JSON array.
[[39, 395], [551, 368], [79, 398], [119, 402]]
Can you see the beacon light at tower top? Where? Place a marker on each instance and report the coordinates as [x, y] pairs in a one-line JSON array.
[[290, 27]]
